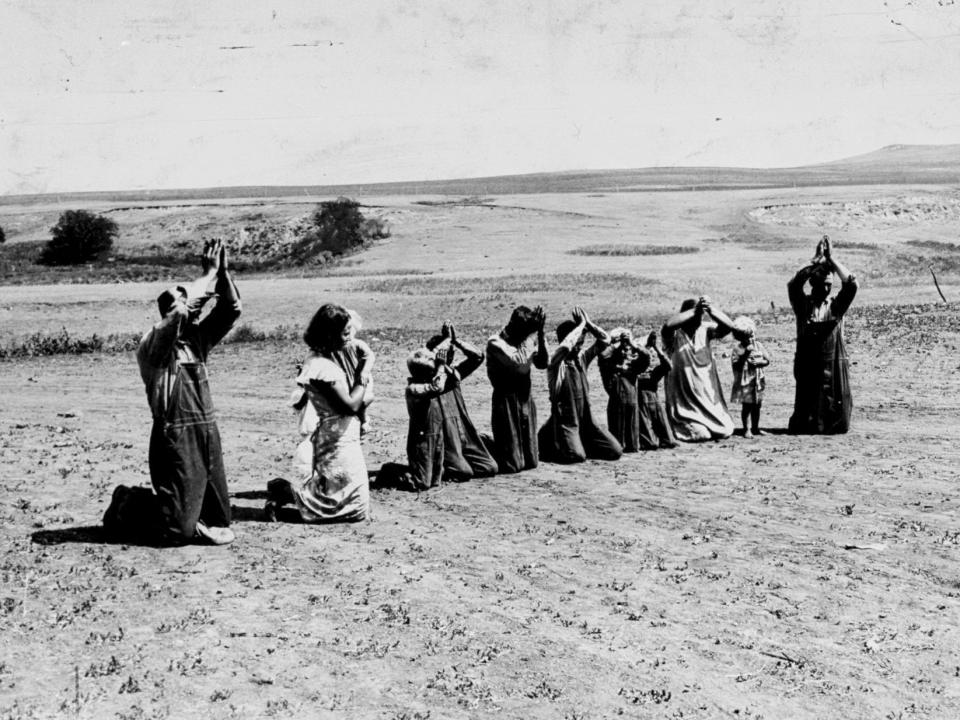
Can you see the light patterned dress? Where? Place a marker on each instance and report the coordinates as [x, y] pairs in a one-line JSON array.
[[695, 404], [338, 486]]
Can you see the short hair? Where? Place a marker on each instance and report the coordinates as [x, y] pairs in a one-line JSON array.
[[565, 328], [421, 362], [688, 304], [326, 327], [168, 297], [522, 321]]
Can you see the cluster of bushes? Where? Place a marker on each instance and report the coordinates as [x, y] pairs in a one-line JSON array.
[[338, 227]]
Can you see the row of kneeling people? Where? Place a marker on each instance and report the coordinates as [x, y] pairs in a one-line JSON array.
[[190, 500], [443, 442]]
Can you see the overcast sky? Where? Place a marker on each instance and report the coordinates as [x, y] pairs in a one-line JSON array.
[[114, 94]]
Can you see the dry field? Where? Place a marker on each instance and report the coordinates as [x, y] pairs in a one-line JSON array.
[[781, 577]]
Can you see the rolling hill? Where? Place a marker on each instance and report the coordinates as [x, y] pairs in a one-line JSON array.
[[894, 164]]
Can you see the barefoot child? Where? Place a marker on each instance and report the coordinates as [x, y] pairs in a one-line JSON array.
[[748, 359]]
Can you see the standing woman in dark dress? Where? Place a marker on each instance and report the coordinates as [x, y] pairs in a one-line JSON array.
[[823, 402], [510, 355]]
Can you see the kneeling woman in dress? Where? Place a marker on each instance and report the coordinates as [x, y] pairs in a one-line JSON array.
[[338, 486], [695, 403]]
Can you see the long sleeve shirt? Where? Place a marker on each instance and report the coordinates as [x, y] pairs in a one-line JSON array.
[[176, 340], [508, 366], [830, 309], [563, 356]]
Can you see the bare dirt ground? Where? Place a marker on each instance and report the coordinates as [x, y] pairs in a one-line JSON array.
[[782, 577]]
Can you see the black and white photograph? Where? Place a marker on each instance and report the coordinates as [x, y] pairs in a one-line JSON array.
[[410, 359]]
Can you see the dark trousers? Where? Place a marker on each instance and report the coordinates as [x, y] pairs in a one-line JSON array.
[[186, 470]]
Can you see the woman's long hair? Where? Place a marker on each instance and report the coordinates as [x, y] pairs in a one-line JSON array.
[[325, 332]]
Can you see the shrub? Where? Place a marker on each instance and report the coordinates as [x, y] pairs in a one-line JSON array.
[[375, 229], [340, 228], [78, 237], [339, 225]]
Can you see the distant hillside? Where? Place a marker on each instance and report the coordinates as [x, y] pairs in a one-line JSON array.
[[895, 164]]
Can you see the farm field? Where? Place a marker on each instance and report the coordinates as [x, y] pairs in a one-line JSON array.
[[783, 577]]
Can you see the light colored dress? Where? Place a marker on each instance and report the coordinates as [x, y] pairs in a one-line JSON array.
[[749, 381], [695, 404], [337, 488]]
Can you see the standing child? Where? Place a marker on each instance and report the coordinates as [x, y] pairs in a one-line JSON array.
[[655, 429], [748, 359]]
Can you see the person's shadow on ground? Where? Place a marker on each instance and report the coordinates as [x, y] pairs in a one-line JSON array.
[[91, 534]]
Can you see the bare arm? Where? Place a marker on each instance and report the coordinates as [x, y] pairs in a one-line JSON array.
[[680, 318], [337, 393], [723, 321], [365, 358]]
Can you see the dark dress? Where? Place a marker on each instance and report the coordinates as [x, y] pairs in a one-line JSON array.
[[619, 371], [425, 448], [571, 435], [655, 430], [513, 416], [442, 441], [465, 455], [823, 403]]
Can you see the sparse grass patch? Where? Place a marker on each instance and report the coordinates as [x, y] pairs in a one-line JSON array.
[[246, 333], [461, 202], [518, 285], [40, 345], [629, 249], [868, 246], [934, 245]]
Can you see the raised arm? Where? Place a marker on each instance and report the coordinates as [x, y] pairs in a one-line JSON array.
[[722, 320], [541, 356], [848, 289], [228, 308], [675, 321], [663, 365], [472, 355], [601, 339], [573, 337]]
